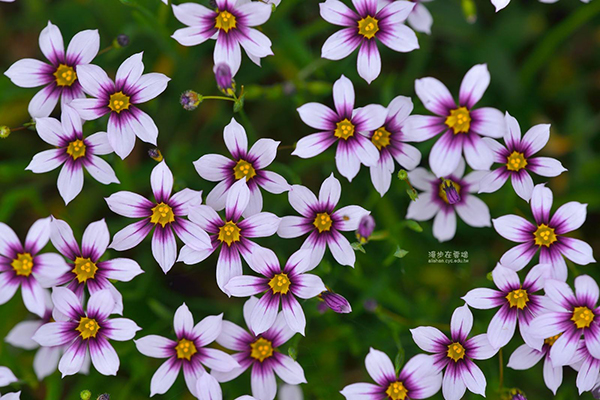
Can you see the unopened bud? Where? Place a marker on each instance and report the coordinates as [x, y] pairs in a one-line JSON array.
[[155, 154], [122, 40], [371, 305], [366, 226], [213, 3], [223, 77], [190, 100], [85, 395], [4, 132], [104, 396], [402, 175], [336, 302], [451, 192]]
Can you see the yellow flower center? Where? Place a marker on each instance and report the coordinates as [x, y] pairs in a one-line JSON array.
[[225, 21], [322, 222], [544, 235], [261, 349], [552, 339], [456, 351], [244, 169], [229, 233], [582, 317], [344, 129], [23, 264], [162, 214], [65, 75], [446, 185], [280, 283], [396, 391], [459, 120], [76, 149], [381, 138], [88, 328], [185, 349], [368, 27], [516, 161], [84, 269], [518, 298], [118, 102]]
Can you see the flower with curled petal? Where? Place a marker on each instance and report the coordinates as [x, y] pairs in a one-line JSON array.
[[261, 353], [86, 269], [119, 99], [517, 159], [517, 302], [364, 28], [456, 354], [462, 125], [73, 151], [418, 379], [249, 164], [347, 126], [322, 221], [21, 265], [442, 199], [59, 78], [279, 286], [231, 24], [85, 331], [231, 233], [546, 235], [165, 214], [188, 352]]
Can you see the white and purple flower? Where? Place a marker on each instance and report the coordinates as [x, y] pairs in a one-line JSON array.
[[231, 25], [230, 233], [322, 221], [21, 265], [389, 140], [570, 315], [280, 286], [516, 301], [347, 126], [6, 378], [525, 357], [165, 215], [518, 161], [86, 268], [208, 388], [261, 353], [85, 331], [188, 352], [587, 367], [457, 354], [245, 164], [418, 379], [545, 235], [444, 198], [363, 28], [120, 98], [500, 4], [462, 126], [73, 151], [59, 78]]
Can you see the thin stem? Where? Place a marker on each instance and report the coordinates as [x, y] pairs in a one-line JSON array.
[[106, 50], [218, 98], [501, 362]]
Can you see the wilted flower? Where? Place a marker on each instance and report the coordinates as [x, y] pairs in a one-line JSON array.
[[336, 302], [4, 132], [365, 228], [123, 40], [155, 154], [190, 100], [223, 76]]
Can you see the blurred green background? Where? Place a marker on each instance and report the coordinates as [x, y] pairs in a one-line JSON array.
[[545, 66]]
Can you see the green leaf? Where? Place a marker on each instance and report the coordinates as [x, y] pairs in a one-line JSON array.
[[413, 226], [400, 253], [239, 104], [358, 246], [399, 361], [292, 352]]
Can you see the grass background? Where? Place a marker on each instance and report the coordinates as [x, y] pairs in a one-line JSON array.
[[544, 61]]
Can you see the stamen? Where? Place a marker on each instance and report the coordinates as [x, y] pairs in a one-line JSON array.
[[23, 264], [280, 283], [323, 222], [185, 349], [368, 27], [88, 327], [459, 120], [244, 169], [225, 21], [162, 214], [261, 349], [84, 269], [119, 102], [544, 235], [229, 233], [64, 75]]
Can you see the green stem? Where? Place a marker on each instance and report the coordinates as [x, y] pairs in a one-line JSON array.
[[501, 362], [545, 49], [218, 98], [106, 50]]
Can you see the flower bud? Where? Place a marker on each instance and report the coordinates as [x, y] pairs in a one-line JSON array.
[[451, 192], [155, 154], [104, 396], [223, 77], [85, 395], [190, 100], [402, 175], [4, 132], [123, 40], [371, 305], [336, 302], [366, 227]]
